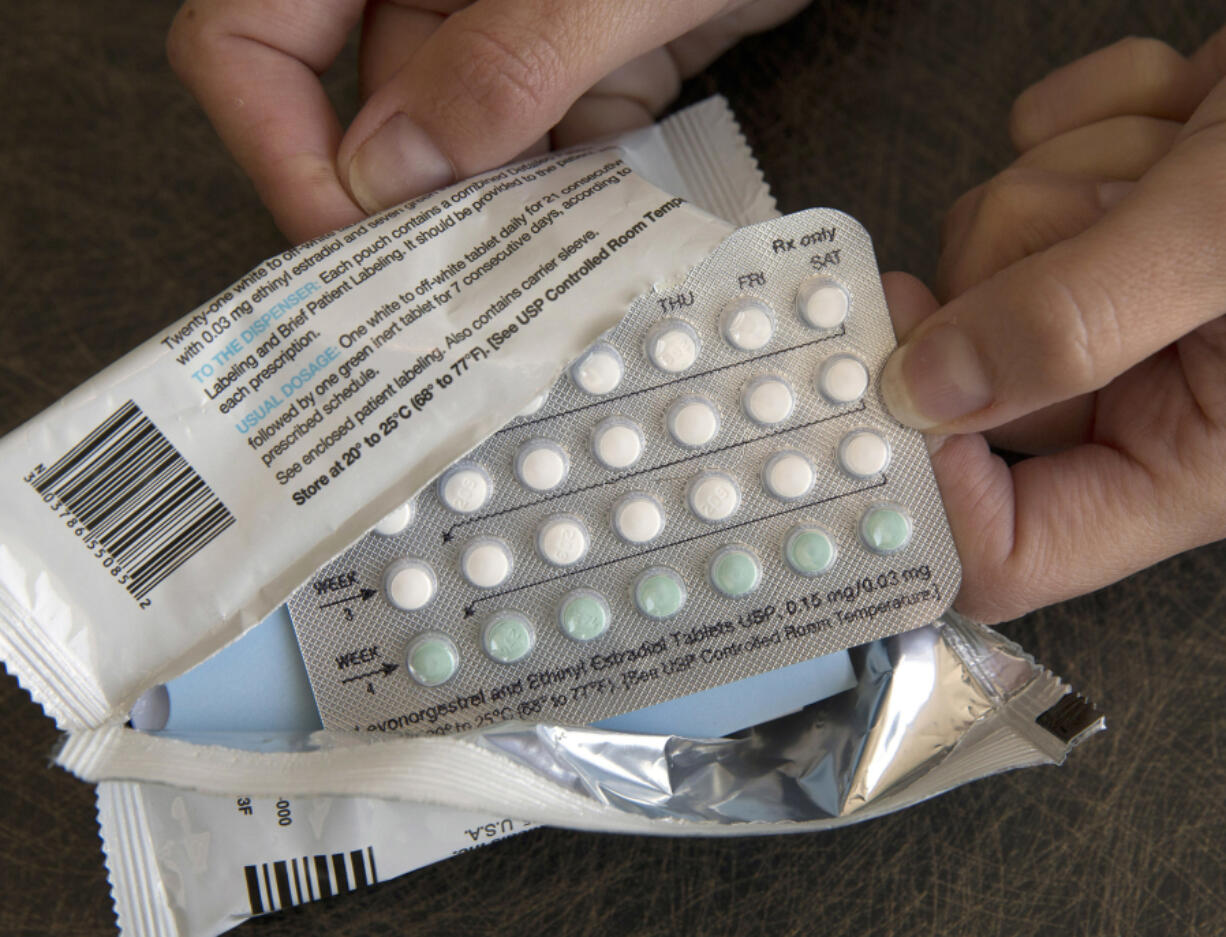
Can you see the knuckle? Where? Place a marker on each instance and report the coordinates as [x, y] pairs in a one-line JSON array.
[[191, 31], [960, 215], [510, 76], [1075, 328], [991, 601], [1151, 64], [180, 40], [1007, 196], [1027, 119]]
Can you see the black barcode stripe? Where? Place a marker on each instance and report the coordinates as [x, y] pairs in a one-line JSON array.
[[146, 480], [359, 868], [180, 550], [273, 886], [325, 877], [183, 524], [253, 890], [342, 874], [69, 460], [281, 875], [142, 502], [153, 510], [101, 490]]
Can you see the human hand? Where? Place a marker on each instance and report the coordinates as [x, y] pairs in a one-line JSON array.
[[450, 88], [1085, 291]]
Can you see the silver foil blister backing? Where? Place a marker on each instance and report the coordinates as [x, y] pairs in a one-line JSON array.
[[714, 640]]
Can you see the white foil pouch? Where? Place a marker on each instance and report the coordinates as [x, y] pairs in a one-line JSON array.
[[200, 836], [173, 501]]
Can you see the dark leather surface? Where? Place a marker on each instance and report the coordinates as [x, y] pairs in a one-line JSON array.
[[120, 212]]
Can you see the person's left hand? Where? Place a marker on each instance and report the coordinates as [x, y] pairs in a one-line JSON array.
[[451, 88], [1084, 323]]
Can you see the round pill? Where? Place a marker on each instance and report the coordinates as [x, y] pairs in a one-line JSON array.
[[747, 324], [822, 303], [508, 637], [692, 421], [713, 496], [599, 371], [788, 475], [541, 464], [395, 520], [534, 405], [672, 346], [617, 443], [562, 539], [809, 550], [638, 517], [842, 379], [734, 571], [409, 584], [768, 400], [486, 562], [151, 711], [885, 528], [583, 615], [863, 453], [465, 488], [659, 592], [432, 659]]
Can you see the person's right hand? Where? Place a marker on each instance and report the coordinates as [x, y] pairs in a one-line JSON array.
[[1086, 292], [450, 87]]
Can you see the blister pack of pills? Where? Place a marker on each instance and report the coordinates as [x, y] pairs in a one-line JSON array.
[[711, 492]]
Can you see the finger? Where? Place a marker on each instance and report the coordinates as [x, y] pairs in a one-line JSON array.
[[1011, 538], [626, 98], [1020, 212], [1115, 148], [1210, 59], [1133, 76], [1066, 321], [392, 32], [1049, 430], [1052, 429], [254, 68], [909, 301], [1053, 527], [1049, 528], [701, 46], [489, 81], [635, 94]]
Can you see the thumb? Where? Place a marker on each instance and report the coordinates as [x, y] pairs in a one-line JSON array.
[[489, 82]]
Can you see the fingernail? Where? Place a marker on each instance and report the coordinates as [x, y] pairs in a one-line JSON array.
[[935, 379], [398, 162], [1111, 194]]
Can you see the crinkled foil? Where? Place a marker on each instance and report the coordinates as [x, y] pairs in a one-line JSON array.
[[933, 708]]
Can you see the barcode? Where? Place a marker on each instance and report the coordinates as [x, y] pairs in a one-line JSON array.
[[272, 886], [137, 497]]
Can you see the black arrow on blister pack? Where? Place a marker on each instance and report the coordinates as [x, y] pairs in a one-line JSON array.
[[471, 608], [449, 533], [385, 670], [364, 594]]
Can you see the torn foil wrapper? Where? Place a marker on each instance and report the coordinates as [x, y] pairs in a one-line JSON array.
[[932, 709]]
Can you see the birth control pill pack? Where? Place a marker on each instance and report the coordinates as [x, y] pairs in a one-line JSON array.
[[713, 491]]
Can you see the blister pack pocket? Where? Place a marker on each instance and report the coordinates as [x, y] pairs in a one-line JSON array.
[[713, 491]]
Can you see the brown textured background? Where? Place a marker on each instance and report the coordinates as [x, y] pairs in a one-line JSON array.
[[120, 212]]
